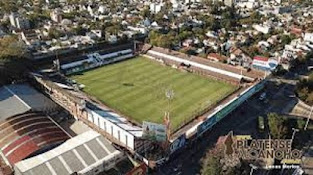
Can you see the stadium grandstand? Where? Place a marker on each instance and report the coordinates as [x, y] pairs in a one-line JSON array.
[[24, 129], [28, 134], [71, 54], [87, 153], [215, 69], [95, 60]]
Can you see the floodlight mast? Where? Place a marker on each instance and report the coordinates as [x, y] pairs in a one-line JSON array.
[[293, 134], [308, 119], [169, 94], [253, 167]]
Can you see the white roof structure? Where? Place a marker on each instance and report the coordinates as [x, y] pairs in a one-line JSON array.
[[79, 154], [121, 122]]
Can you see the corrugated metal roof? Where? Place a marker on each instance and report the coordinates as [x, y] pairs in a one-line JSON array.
[[260, 58], [120, 121], [74, 155]]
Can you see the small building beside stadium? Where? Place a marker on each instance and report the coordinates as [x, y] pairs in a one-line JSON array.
[[264, 63]]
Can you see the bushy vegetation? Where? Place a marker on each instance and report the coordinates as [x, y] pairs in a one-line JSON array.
[[12, 62], [304, 90], [278, 126], [216, 163]]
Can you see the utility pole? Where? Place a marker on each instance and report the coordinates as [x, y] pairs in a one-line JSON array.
[[253, 167], [308, 120], [293, 134]]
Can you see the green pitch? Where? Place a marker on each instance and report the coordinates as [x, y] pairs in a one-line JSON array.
[[136, 88]]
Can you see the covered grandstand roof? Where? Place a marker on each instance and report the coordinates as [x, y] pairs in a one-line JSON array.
[[20, 98], [25, 134], [78, 154], [116, 119]]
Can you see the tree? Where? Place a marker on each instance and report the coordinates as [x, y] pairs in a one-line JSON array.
[[12, 62], [79, 30], [114, 29], [285, 39], [11, 47], [278, 126], [184, 35], [8, 6], [208, 3], [145, 13], [304, 89], [229, 18], [216, 163], [255, 17], [168, 6], [211, 165], [309, 55], [54, 33], [161, 40]]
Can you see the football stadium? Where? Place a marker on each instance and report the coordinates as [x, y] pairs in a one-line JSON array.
[[149, 100], [137, 88]]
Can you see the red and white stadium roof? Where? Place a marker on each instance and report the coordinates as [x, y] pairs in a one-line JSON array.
[[23, 135]]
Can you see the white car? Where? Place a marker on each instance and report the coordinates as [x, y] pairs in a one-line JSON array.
[[262, 96]]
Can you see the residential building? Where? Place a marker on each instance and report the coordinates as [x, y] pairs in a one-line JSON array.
[[156, 7], [262, 28], [56, 15], [308, 37], [18, 21]]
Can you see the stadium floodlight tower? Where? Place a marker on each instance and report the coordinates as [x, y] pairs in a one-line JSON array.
[[253, 167], [169, 94]]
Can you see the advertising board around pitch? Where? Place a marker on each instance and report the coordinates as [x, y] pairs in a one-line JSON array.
[[154, 131], [179, 143]]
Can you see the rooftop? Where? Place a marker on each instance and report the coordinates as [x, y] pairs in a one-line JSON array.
[[75, 155], [23, 135], [20, 98]]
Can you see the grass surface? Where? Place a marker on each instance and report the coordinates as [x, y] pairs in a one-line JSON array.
[[137, 89]]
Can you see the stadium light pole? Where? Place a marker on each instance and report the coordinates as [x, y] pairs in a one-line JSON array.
[[293, 134], [169, 95], [253, 167], [307, 121]]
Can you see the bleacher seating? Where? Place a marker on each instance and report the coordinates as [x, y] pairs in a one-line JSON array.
[[95, 60], [25, 134]]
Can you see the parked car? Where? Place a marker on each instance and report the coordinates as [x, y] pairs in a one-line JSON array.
[[261, 124], [262, 96]]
